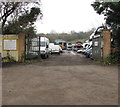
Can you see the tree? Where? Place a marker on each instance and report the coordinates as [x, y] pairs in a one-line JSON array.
[[31, 32], [111, 11], [10, 11], [23, 22], [7, 8]]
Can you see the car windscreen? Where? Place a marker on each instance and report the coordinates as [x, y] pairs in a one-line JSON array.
[[55, 47], [79, 42]]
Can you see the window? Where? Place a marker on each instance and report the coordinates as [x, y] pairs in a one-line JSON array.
[[42, 44]]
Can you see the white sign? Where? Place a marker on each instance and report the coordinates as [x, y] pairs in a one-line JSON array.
[[95, 43], [10, 44], [34, 43]]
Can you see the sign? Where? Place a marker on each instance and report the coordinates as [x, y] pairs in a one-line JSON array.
[[10, 44], [34, 43], [96, 43], [96, 36]]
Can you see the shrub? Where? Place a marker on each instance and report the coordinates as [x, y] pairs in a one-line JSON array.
[[115, 57]]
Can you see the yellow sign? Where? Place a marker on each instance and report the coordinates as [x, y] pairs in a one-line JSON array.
[[10, 44]]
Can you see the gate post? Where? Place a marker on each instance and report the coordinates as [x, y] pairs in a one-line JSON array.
[[106, 43], [39, 46], [21, 46]]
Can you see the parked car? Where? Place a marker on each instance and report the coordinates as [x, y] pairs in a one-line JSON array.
[[78, 45], [87, 48], [80, 51], [75, 48], [69, 46], [55, 49], [89, 52], [85, 45]]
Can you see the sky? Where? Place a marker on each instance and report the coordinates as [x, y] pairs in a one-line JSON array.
[[68, 15]]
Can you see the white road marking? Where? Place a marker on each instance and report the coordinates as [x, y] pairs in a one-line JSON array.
[[73, 53]]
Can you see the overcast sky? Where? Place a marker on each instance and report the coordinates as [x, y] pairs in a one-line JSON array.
[[68, 15]]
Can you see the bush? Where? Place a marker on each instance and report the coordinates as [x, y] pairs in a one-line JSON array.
[[115, 57], [8, 59]]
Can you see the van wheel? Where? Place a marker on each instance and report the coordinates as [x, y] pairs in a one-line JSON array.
[[45, 56]]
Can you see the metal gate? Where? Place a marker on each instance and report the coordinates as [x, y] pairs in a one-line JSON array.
[[101, 44], [97, 47], [32, 47]]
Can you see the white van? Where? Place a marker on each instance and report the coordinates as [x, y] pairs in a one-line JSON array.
[[44, 47], [41, 44]]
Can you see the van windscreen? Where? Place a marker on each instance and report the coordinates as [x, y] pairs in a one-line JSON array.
[[42, 44]]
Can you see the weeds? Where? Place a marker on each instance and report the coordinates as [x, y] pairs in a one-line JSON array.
[[114, 58]]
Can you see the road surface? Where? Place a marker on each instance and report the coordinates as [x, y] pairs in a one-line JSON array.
[[66, 79]]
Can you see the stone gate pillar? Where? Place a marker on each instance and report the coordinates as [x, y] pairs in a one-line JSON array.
[[21, 46], [106, 43]]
